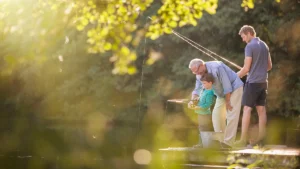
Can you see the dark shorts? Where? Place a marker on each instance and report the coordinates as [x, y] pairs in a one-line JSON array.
[[255, 94]]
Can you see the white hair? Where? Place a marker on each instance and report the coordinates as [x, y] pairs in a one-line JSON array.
[[195, 62]]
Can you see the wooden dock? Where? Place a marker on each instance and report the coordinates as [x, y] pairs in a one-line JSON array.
[[270, 156]]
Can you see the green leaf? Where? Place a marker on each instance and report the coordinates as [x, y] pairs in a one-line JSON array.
[[211, 10], [128, 39], [182, 23], [173, 24], [111, 9], [250, 4], [150, 61], [132, 56], [198, 15], [175, 18], [154, 36], [125, 51], [167, 30], [80, 27], [91, 33], [104, 32], [193, 22], [84, 21], [131, 70], [115, 47], [91, 41], [107, 46]]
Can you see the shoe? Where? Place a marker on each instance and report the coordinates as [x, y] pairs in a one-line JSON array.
[[224, 145], [259, 143], [240, 144], [198, 146]]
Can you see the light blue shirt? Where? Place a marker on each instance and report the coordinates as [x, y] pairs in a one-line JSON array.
[[225, 79]]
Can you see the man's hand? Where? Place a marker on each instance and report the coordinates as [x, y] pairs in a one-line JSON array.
[[228, 106], [191, 104], [227, 98]]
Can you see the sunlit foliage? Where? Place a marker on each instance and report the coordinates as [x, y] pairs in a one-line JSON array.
[[111, 25], [59, 102]]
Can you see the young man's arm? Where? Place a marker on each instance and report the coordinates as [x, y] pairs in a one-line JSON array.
[[247, 62], [246, 67], [269, 62]]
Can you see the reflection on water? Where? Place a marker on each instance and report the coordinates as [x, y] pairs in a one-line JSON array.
[[73, 148]]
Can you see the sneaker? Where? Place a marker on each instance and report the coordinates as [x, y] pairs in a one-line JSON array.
[[224, 145], [240, 143], [198, 146], [259, 143]]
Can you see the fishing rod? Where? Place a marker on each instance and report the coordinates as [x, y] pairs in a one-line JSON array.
[[196, 45], [186, 101], [183, 101]]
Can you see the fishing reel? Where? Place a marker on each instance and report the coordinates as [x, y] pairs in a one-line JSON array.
[[194, 102]]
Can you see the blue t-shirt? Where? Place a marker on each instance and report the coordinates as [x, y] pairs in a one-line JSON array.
[[205, 101], [259, 51]]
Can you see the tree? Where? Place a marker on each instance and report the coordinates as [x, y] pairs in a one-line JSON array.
[[118, 26]]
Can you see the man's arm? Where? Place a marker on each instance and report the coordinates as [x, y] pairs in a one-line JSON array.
[[246, 67], [227, 87], [198, 88], [227, 98], [196, 91], [269, 62]]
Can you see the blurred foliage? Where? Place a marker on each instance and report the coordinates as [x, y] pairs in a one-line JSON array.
[[257, 160], [60, 102], [113, 25]]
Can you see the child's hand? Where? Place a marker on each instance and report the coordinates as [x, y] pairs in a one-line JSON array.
[[193, 103], [196, 108]]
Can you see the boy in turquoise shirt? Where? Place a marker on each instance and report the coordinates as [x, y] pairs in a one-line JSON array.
[[206, 99]]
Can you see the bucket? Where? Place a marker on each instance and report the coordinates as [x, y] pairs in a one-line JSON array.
[[209, 138]]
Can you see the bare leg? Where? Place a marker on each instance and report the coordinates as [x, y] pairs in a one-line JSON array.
[[262, 116], [245, 122]]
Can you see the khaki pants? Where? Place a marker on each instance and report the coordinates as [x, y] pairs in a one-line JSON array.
[[220, 115], [205, 122]]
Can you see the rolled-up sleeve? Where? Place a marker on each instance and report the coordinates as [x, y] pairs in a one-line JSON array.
[[224, 79], [198, 86]]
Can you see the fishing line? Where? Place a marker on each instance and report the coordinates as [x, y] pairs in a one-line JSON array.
[[183, 38], [194, 44]]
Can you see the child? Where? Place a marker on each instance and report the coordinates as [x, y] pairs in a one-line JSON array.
[[206, 99]]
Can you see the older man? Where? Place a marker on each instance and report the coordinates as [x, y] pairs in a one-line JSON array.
[[228, 88]]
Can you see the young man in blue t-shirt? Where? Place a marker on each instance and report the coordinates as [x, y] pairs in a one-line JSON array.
[[257, 63]]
